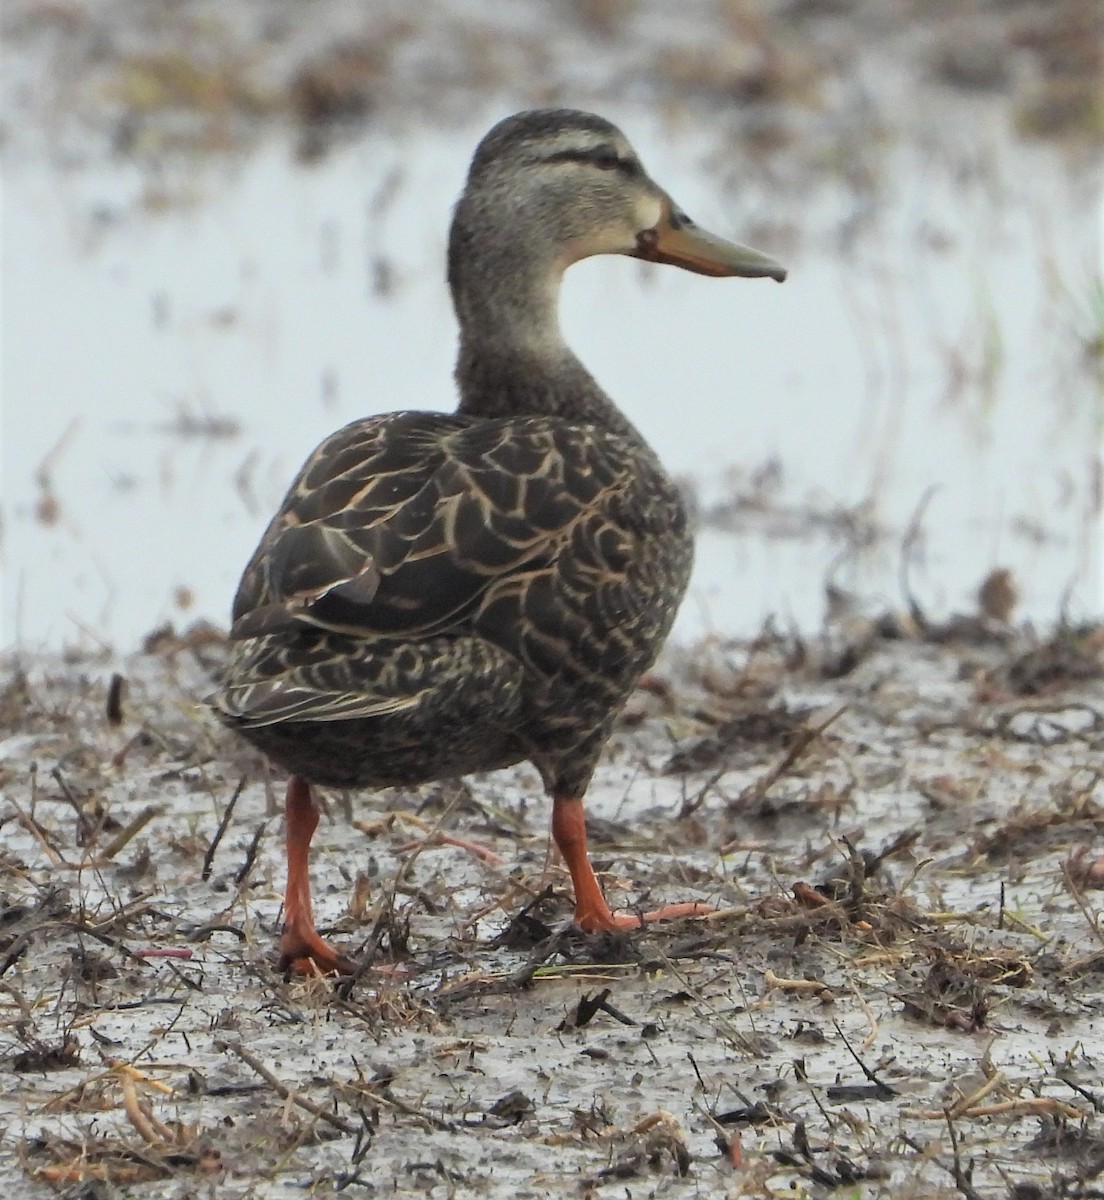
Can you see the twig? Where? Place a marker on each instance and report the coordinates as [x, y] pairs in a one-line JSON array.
[[739, 1039], [793, 985], [113, 709], [440, 838], [1094, 1100], [363, 1088], [856, 888], [39, 834], [126, 912], [250, 855], [961, 1177], [691, 804], [105, 939], [16, 951], [149, 1127], [972, 1101], [407, 1109], [883, 1088], [728, 1143], [209, 857], [868, 1012], [283, 1091], [1030, 1106], [1091, 918], [387, 909], [66, 790], [804, 739], [909, 540], [127, 833], [697, 1072]]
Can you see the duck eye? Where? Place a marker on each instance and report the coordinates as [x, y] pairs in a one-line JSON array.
[[610, 160]]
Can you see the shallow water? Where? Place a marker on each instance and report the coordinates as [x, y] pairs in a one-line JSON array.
[[175, 343]]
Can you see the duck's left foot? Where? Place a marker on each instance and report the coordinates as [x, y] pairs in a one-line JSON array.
[[601, 920]]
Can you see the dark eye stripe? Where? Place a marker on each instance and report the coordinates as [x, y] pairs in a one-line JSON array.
[[602, 157]]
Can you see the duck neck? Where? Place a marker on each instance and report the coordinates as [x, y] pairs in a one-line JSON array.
[[513, 359]]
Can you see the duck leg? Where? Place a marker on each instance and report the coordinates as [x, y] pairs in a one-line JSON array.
[[592, 913], [301, 947]]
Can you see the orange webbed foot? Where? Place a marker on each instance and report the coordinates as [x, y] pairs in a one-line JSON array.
[[304, 952], [599, 921], [592, 913], [301, 948]]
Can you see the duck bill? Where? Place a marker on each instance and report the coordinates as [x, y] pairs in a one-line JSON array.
[[675, 239]]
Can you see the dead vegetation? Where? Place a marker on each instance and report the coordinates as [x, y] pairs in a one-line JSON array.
[[900, 982], [187, 77]]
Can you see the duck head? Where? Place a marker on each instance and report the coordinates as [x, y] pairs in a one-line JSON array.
[[549, 187]]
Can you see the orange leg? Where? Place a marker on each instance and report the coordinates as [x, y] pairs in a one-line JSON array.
[[592, 913], [301, 947]]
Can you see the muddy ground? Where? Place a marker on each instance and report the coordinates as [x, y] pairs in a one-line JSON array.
[[901, 991]]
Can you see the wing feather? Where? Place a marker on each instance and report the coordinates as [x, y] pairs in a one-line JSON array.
[[411, 524]]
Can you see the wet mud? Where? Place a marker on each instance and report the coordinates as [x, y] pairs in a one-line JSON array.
[[901, 989]]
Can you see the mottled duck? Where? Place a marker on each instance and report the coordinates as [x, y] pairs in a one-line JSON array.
[[442, 594]]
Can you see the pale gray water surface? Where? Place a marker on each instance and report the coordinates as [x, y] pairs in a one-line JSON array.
[[175, 344]]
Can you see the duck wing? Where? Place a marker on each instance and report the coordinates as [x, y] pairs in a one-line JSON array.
[[399, 526]]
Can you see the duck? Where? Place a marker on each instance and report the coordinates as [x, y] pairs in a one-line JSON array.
[[441, 594]]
